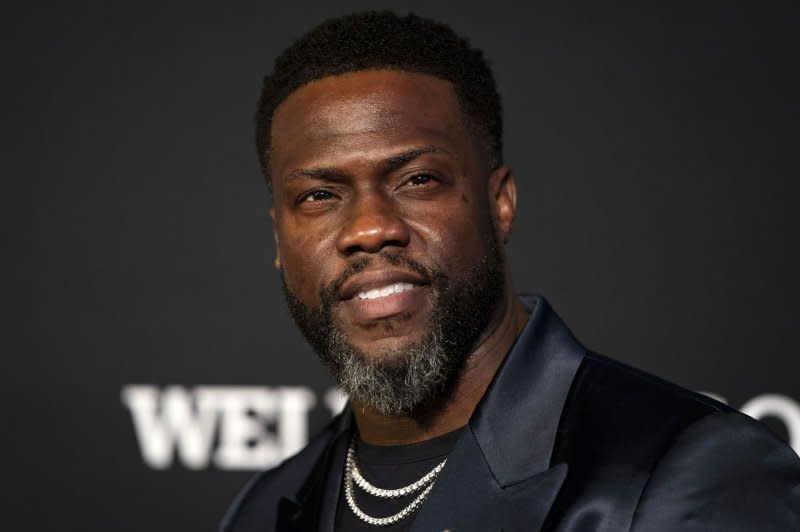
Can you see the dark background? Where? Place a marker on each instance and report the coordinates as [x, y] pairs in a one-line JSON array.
[[656, 156]]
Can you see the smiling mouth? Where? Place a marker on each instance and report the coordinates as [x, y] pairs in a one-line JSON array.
[[386, 300], [396, 299], [376, 293]]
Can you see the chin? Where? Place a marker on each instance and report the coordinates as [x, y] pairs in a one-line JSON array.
[[388, 350]]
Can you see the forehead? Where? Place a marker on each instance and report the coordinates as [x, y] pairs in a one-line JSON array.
[[359, 114]]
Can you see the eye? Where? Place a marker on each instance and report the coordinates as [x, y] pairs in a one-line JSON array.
[[421, 183], [420, 179], [315, 195]]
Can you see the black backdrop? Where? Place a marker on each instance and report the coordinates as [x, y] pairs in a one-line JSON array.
[[656, 156]]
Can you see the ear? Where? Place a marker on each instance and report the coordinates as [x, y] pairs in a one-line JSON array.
[[275, 236], [503, 194]]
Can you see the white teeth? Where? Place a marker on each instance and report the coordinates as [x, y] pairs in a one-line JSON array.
[[385, 291]]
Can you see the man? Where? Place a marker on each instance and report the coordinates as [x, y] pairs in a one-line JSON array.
[[470, 408]]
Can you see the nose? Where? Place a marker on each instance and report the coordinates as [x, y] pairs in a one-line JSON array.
[[371, 225]]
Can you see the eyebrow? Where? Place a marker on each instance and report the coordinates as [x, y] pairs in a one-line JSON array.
[[385, 166]]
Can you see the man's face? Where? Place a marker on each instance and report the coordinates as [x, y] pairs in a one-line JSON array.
[[385, 218]]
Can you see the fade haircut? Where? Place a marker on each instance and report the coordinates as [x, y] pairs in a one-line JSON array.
[[384, 40]]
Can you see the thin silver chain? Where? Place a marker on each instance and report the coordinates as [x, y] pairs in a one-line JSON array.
[[365, 485], [353, 476]]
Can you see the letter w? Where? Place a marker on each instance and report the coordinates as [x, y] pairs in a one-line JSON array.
[[172, 420]]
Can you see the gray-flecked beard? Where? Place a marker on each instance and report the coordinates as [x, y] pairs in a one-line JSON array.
[[399, 381]]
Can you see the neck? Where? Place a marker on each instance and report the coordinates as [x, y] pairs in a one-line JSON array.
[[454, 411]]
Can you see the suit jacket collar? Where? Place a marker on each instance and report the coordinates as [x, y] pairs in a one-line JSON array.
[[314, 506], [515, 423], [499, 474], [500, 466]]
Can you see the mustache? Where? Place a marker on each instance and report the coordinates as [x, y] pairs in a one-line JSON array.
[[428, 275]]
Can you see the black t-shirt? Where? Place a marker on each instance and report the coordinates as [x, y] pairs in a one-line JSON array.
[[390, 467]]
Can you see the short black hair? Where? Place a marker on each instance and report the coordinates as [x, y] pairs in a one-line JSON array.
[[384, 40]]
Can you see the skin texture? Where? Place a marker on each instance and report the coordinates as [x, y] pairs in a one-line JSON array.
[[376, 162]]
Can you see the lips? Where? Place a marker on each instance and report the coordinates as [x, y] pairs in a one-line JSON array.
[[376, 283], [379, 294], [375, 293]]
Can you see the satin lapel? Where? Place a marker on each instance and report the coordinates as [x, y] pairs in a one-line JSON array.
[[314, 508], [517, 420], [499, 474], [467, 496]]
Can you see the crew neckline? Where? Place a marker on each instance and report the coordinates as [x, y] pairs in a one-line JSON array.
[[405, 454]]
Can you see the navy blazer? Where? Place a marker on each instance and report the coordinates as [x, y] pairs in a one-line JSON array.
[[565, 440]]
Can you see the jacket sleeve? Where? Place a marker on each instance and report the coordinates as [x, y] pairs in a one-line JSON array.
[[725, 472]]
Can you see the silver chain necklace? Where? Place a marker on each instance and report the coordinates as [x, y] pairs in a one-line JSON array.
[[352, 476]]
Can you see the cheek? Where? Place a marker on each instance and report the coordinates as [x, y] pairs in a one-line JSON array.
[[305, 255], [457, 237]]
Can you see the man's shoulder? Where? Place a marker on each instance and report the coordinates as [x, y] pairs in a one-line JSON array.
[[667, 453], [629, 416], [609, 381], [723, 472], [259, 500]]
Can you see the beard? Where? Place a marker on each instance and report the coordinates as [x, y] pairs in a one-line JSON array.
[[400, 381]]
